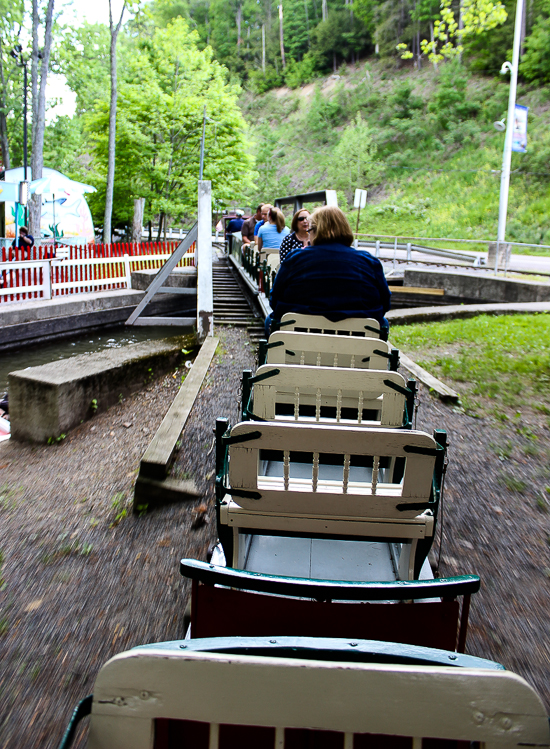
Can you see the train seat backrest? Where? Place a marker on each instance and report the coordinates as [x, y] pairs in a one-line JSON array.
[[168, 695], [294, 468], [323, 350], [350, 326], [330, 395]]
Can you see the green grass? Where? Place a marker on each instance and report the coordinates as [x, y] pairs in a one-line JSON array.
[[503, 359]]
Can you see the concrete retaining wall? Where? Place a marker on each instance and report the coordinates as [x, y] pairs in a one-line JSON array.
[[31, 322], [49, 400], [478, 287]]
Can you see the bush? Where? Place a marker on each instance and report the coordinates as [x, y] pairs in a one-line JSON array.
[[298, 73], [450, 102], [535, 64], [260, 82]]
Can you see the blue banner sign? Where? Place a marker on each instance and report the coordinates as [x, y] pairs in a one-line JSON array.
[[519, 134]]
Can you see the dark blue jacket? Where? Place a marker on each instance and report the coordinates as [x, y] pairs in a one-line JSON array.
[[331, 280], [235, 225]]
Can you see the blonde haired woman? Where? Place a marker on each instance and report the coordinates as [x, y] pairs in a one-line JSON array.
[[330, 278], [272, 233]]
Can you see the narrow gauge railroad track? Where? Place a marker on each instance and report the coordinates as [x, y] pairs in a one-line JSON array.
[[232, 305]]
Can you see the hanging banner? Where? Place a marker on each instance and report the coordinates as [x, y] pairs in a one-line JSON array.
[[519, 134]]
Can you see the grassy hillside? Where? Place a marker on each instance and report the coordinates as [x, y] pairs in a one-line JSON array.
[[423, 142]]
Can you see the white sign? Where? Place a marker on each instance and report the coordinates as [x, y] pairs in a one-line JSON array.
[[360, 200]]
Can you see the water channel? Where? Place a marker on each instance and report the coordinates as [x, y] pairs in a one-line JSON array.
[[88, 343]]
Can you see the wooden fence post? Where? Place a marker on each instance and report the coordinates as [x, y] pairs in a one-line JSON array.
[[205, 297]]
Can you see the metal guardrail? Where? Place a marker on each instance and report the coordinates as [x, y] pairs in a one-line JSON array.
[[474, 259]]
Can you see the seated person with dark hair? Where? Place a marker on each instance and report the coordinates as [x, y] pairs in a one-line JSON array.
[[24, 242], [330, 278]]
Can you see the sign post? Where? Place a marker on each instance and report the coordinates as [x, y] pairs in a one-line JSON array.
[[360, 201]]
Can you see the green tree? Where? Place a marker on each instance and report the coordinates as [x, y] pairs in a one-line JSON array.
[[11, 18], [535, 64], [354, 161], [83, 58], [159, 125]]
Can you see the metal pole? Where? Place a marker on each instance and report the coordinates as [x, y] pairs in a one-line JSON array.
[[395, 253], [25, 128], [202, 142], [357, 228], [507, 155]]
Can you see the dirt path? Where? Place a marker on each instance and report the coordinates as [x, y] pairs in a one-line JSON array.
[[80, 586]]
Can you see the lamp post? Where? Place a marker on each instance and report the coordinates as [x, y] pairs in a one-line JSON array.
[[507, 154], [17, 54]]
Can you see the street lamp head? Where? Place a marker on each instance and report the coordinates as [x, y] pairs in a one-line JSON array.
[[500, 125]]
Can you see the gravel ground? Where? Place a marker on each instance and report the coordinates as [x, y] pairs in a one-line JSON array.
[[80, 585]]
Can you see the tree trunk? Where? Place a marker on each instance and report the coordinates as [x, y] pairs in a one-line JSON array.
[[161, 219], [112, 127], [307, 24], [324, 10], [239, 19], [263, 48], [137, 223], [4, 142], [281, 35], [39, 110]]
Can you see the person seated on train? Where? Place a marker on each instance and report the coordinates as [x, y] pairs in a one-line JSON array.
[[298, 236], [247, 229], [264, 212], [330, 278], [273, 232]]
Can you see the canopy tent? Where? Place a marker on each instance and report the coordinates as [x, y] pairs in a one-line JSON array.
[[65, 212]]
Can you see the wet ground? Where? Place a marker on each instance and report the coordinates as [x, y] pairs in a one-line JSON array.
[[83, 579]]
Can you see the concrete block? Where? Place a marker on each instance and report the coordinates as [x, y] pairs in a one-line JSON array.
[[49, 400], [183, 278], [478, 286]]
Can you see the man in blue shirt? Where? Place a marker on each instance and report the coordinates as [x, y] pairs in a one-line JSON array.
[[235, 224], [265, 214]]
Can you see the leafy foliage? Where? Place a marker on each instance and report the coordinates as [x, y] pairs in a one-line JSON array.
[[167, 83]]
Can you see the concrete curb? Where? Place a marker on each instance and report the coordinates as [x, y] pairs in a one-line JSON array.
[[152, 486], [436, 314]]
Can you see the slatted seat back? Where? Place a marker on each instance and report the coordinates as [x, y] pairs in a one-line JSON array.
[[330, 395], [346, 472], [172, 695], [322, 350], [366, 327]]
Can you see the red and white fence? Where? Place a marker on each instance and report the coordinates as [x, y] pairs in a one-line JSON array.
[[45, 272]]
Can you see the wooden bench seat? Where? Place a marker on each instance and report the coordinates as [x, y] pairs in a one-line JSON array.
[[366, 327], [328, 395], [323, 350], [299, 692], [330, 481]]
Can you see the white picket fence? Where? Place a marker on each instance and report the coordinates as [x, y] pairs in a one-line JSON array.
[[26, 280]]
